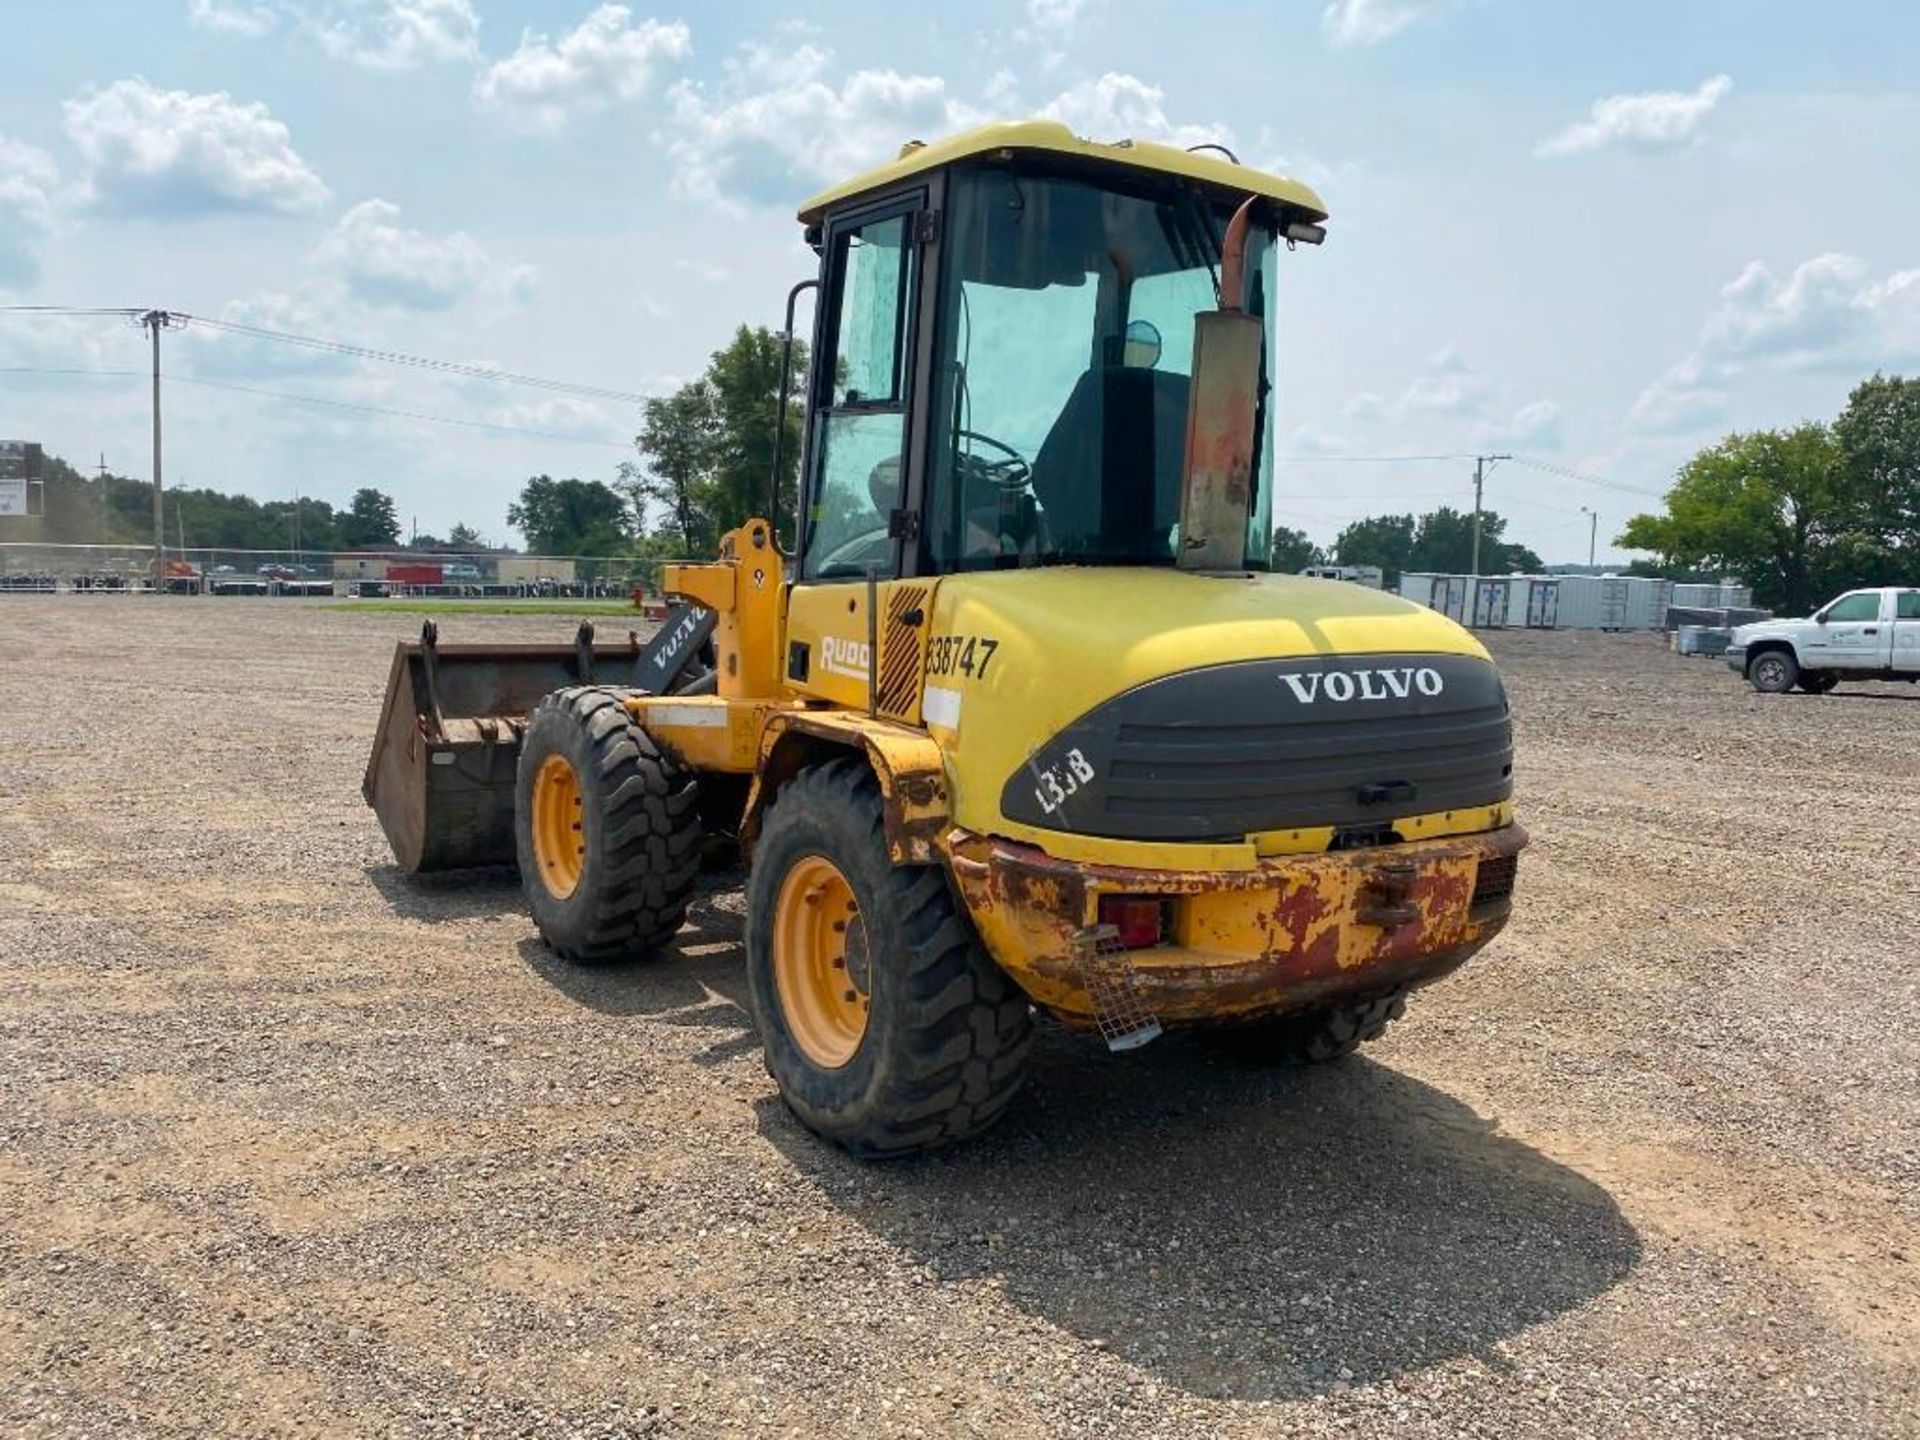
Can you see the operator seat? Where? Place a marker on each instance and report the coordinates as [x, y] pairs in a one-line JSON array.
[[1108, 473]]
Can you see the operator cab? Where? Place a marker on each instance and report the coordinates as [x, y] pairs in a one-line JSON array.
[[1005, 351]]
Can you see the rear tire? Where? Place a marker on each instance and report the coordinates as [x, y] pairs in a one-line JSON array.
[[930, 1043], [1315, 1037], [1773, 672], [622, 891]]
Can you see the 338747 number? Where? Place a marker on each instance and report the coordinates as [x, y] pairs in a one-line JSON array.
[[1057, 783], [968, 655]]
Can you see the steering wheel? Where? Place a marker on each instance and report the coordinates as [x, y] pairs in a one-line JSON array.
[[849, 559], [1012, 473]]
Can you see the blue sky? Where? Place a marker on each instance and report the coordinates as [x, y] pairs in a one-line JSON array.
[[1596, 236]]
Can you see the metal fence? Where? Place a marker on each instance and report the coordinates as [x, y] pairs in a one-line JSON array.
[[31, 568]]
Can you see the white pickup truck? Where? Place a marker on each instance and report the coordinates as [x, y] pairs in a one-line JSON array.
[[1863, 635]]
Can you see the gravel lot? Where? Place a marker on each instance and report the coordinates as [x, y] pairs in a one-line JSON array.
[[289, 1145]]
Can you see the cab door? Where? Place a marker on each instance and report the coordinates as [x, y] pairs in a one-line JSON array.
[[1850, 634], [1905, 649], [848, 600]]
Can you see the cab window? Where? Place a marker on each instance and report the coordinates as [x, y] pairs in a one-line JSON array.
[[861, 426], [1863, 605], [1909, 607]]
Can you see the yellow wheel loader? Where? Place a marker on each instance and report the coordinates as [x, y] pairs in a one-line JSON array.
[[1023, 722]]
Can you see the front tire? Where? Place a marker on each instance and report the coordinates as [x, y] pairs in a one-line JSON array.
[[1314, 1037], [606, 827], [1773, 672], [885, 1023]]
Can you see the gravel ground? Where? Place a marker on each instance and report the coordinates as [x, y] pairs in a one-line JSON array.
[[292, 1146]]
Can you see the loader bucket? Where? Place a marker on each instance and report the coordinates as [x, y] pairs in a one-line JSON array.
[[442, 771]]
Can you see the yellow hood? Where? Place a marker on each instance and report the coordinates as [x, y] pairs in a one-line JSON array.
[[1050, 644]]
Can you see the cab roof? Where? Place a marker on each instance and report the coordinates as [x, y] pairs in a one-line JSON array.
[[1050, 137]]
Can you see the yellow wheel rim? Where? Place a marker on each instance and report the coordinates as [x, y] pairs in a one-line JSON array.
[[822, 968], [559, 842]]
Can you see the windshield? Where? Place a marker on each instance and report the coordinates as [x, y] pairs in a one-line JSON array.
[[1066, 317]]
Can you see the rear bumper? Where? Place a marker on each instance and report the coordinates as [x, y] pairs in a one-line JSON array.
[[1286, 935]]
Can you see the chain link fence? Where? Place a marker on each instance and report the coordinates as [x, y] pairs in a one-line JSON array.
[[46, 569]]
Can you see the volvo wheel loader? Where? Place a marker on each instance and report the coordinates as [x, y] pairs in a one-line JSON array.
[[1023, 722]]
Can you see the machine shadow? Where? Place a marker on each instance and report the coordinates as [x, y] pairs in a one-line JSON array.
[[700, 979], [1241, 1232], [452, 895]]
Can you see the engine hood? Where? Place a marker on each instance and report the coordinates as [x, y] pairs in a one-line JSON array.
[[1051, 646]]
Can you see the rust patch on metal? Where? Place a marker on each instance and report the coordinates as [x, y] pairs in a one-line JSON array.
[[1290, 933]]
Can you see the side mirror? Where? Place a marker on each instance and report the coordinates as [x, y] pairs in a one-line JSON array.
[[1821, 618]]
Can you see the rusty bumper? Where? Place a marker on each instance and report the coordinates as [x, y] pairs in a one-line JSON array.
[[1289, 934]]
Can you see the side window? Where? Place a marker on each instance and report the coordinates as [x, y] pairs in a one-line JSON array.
[[1862, 606], [1909, 606], [861, 432]]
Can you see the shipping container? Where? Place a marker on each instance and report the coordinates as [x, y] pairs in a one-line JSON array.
[[1489, 604]]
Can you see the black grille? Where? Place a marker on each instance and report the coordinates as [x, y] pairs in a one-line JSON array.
[[1494, 882], [1231, 750]]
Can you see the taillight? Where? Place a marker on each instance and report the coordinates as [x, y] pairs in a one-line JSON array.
[[1140, 920]]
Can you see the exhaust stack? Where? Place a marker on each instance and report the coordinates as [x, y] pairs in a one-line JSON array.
[[1216, 480]]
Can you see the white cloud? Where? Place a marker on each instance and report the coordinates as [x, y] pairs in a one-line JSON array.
[[777, 128], [1449, 386], [1125, 107], [606, 59], [396, 34], [1829, 312], [28, 178], [1452, 401], [383, 264], [1819, 309], [312, 309], [172, 153], [1680, 400], [1534, 426], [1368, 22], [223, 17], [1655, 121], [1054, 14]]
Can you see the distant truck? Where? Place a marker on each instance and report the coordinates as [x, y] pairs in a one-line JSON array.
[[1863, 635], [1371, 575]]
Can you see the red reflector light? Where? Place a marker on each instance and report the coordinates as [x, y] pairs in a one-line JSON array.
[[1140, 919]]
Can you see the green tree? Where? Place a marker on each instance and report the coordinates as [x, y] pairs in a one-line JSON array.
[[1879, 439], [1443, 543], [464, 537], [571, 517], [371, 519], [1383, 540], [1293, 551], [707, 449], [680, 438], [745, 378], [1776, 508]]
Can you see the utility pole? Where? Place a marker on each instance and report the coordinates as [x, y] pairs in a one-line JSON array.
[[1593, 532], [154, 321], [1480, 463]]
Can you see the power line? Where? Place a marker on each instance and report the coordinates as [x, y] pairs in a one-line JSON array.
[[466, 369], [1363, 459], [404, 414], [421, 362], [331, 404], [1552, 469], [127, 310]]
